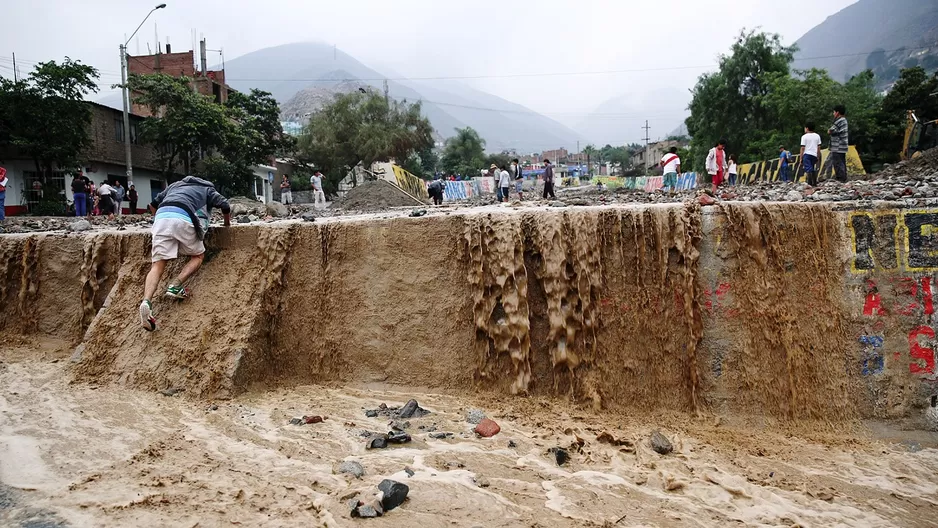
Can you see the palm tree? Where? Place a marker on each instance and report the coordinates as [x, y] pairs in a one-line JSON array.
[[589, 150]]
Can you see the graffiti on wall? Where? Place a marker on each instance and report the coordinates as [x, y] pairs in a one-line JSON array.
[[894, 240], [907, 298], [413, 185], [685, 181], [770, 170]]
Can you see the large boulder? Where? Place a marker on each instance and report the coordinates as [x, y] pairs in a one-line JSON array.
[[277, 209]]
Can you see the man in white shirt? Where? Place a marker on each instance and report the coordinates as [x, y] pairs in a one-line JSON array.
[[671, 164], [811, 153], [107, 200], [315, 181], [504, 182]]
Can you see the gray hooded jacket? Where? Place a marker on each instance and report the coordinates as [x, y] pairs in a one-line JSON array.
[[197, 197]]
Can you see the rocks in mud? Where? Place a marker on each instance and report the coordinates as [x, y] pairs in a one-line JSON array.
[[487, 428], [512, 444], [244, 220], [308, 217], [171, 391], [418, 213], [394, 493], [397, 425], [81, 225], [558, 203], [253, 218], [277, 209], [441, 435], [560, 455], [660, 443], [351, 467], [794, 196], [307, 420], [378, 443], [391, 494], [409, 409], [474, 416], [398, 437]]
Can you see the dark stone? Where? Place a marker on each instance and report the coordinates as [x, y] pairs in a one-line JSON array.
[[365, 511], [410, 472], [307, 217], [378, 443], [660, 443], [244, 220], [409, 409], [440, 435], [296, 421], [352, 468], [511, 443], [418, 212], [394, 493], [371, 413], [171, 392], [560, 455], [399, 426], [398, 437]]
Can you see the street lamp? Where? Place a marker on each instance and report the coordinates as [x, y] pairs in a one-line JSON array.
[[126, 93]]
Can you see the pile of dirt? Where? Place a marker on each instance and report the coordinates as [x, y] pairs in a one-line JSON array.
[[376, 196], [921, 167]]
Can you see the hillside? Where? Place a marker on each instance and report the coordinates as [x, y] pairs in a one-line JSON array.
[[884, 35], [286, 70]]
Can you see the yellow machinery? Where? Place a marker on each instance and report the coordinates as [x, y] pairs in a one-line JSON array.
[[919, 137]]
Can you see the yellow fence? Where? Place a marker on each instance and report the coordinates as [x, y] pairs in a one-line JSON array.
[[770, 170]]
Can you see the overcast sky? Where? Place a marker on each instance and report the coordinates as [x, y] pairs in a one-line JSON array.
[[433, 38]]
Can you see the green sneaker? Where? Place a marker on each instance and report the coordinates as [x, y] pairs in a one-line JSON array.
[[147, 321], [177, 292]]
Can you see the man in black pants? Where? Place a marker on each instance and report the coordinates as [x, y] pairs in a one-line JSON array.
[[839, 143], [548, 180]]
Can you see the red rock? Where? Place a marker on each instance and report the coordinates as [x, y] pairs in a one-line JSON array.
[[312, 419], [706, 199], [487, 428]]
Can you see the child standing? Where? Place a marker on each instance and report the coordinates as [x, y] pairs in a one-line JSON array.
[[732, 169]]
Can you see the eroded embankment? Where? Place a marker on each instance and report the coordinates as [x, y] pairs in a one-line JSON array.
[[739, 309]]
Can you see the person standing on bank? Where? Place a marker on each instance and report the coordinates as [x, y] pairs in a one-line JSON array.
[[119, 191], [784, 158], [518, 177], [80, 194], [504, 182], [4, 181], [286, 191], [132, 195], [315, 181], [839, 139], [716, 165], [107, 200], [732, 170], [182, 212], [671, 165], [548, 180], [811, 153]]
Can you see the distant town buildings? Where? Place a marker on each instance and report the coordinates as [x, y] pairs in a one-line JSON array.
[[205, 81]]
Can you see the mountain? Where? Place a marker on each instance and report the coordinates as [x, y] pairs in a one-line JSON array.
[[620, 119], [287, 70], [883, 35]]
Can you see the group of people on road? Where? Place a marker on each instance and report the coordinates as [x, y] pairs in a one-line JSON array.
[[722, 168], [105, 199], [504, 176], [315, 184]]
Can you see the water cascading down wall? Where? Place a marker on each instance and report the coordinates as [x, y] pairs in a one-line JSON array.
[[792, 311]]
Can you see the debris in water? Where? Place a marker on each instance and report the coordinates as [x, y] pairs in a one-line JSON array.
[[660, 443], [398, 437], [474, 416], [511, 443], [378, 443], [410, 472], [244, 220], [409, 409], [440, 435], [418, 212], [487, 428], [560, 454], [394, 494], [371, 413], [352, 468]]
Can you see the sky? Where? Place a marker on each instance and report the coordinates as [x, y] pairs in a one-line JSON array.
[[422, 38]]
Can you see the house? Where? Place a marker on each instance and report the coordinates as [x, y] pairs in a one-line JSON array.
[[102, 161], [655, 151], [205, 81]]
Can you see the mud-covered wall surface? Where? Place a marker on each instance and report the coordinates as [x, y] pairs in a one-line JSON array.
[[790, 311]]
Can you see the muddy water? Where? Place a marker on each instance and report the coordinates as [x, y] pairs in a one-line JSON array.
[[80, 455]]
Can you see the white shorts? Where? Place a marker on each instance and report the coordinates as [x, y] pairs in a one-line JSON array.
[[173, 237]]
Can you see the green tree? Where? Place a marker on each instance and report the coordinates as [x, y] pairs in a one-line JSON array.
[[45, 116], [362, 128], [591, 153], [464, 153], [728, 103], [187, 125], [501, 159]]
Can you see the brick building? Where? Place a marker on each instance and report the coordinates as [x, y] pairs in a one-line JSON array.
[[207, 82], [102, 161]]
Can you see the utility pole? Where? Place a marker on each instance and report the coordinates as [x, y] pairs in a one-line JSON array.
[[647, 157], [386, 100], [15, 79]]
